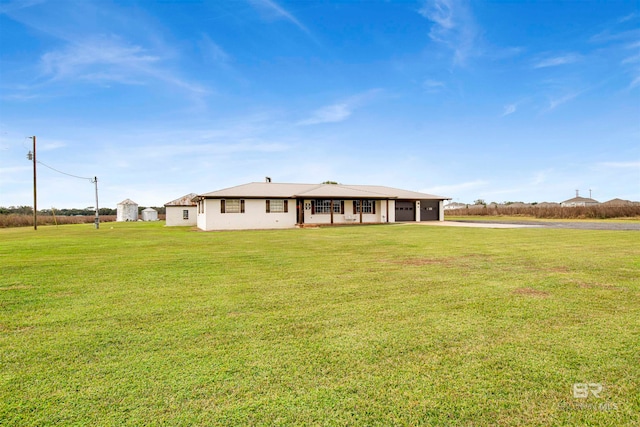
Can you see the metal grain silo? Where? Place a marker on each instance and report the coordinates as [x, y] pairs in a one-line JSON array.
[[149, 214], [127, 211]]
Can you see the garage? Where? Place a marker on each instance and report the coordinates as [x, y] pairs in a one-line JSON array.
[[429, 210], [405, 210]]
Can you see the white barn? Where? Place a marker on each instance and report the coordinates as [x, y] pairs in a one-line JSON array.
[[182, 211], [127, 210], [266, 205]]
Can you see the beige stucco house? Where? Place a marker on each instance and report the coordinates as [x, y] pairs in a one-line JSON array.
[[181, 211], [267, 205]]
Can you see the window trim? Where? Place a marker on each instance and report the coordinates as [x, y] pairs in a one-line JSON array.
[[223, 206], [368, 205], [338, 206], [285, 206]]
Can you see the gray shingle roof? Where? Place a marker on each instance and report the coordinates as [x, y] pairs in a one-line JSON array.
[[339, 191], [581, 200]]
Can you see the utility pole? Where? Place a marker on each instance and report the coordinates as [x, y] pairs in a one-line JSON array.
[[32, 156], [97, 220]]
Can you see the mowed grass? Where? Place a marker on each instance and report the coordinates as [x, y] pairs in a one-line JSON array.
[[139, 324]]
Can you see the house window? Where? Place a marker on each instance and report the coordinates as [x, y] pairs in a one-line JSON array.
[[277, 206], [323, 206], [368, 206], [232, 206], [185, 214]]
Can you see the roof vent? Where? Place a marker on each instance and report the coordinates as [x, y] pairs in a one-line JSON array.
[[267, 179]]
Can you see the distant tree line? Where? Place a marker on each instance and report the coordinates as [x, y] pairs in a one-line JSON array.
[[28, 210]]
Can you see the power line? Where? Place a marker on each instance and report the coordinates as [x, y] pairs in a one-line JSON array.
[[64, 173]]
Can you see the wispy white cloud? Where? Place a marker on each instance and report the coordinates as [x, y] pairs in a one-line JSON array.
[[554, 61], [17, 5], [51, 145], [509, 109], [609, 36], [453, 26], [540, 177], [110, 59], [556, 102], [339, 111], [621, 165], [329, 114], [78, 60], [274, 9], [212, 52], [433, 86]]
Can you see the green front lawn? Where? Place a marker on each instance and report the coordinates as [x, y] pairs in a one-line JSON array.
[[139, 324]]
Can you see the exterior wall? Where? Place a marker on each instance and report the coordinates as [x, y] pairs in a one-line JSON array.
[[207, 215], [127, 213], [254, 216], [392, 210], [577, 204], [175, 217], [348, 217]]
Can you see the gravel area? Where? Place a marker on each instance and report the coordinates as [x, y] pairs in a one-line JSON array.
[[581, 225]]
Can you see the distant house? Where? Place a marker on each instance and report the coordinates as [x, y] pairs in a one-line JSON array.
[[182, 211], [579, 201], [149, 214], [618, 202], [548, 205], [127, 210], [454, 205], [518, 205], [267, 205]]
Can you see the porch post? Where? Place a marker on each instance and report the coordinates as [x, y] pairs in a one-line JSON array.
[[331, 210]]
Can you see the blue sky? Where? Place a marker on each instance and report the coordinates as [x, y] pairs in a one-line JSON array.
[[497, 100]]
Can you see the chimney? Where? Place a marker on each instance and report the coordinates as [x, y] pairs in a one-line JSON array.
[[267, 179]]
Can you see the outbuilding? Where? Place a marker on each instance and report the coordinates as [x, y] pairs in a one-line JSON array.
[[267, 205], [127, 210], [149, 214], [182, 211]]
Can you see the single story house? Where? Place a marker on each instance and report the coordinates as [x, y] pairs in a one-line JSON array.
[[579, 201], [454, 205], [181, 211], [267, 205], [619, 202]]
